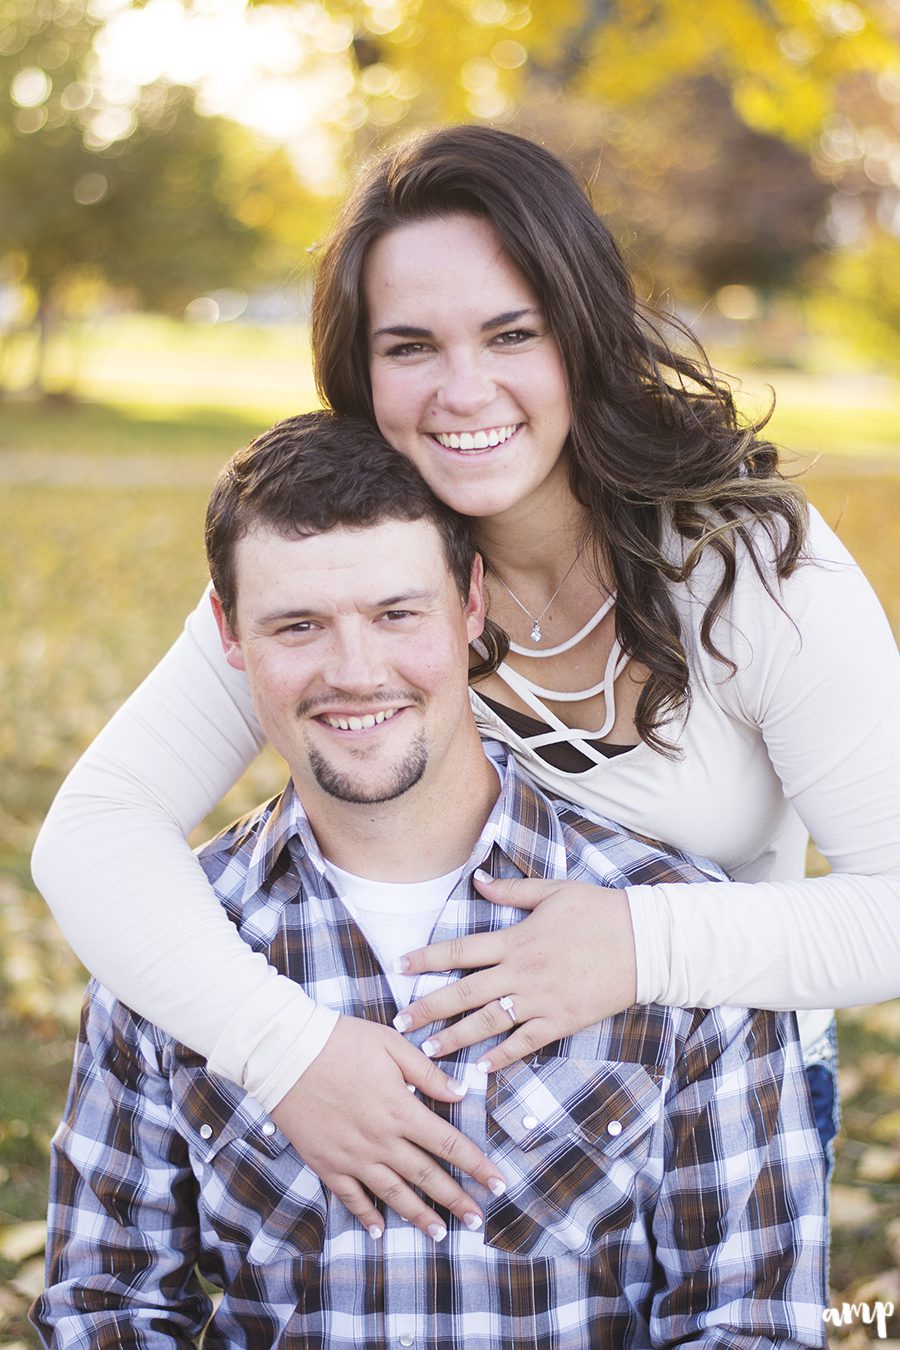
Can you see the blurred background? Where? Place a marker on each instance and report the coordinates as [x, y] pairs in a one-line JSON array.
[[165, 172]]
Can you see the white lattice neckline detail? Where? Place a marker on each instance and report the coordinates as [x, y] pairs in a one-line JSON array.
[[533, 694]]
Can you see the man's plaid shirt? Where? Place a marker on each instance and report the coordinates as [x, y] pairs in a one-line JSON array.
[[665, 1181]]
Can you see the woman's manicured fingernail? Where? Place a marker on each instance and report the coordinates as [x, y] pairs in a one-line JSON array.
[[473, 1222], [411, 1087], [437, 1231], [481, 875], [457, 1088], [401, 965], [483, 1064], [403, 1021], [430, 1048], [496, 1186], [375, 1233]]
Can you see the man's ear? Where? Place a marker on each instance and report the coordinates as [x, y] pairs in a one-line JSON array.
[[230, 645], [474, 607]]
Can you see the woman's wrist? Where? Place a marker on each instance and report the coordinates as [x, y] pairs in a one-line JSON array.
[[272, 1040]]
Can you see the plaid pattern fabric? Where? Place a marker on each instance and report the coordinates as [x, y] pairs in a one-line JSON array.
[[665, 1179]]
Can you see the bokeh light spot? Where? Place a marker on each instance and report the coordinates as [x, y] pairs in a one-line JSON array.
[[490, 13], [378, 79], [509, 55], [231, 303], [30, 87], [90, 188], [111, 125], [844, 18], [203, 311], [738, 302], [76, 96], [31, 119], [54, 54], [12, 40], [478, 75], [489, 104]]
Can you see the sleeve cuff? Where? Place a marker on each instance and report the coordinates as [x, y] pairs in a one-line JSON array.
[[272, 1041], [652, 943]]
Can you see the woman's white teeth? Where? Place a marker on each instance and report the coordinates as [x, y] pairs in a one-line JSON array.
[[474, 440], [360, 723]]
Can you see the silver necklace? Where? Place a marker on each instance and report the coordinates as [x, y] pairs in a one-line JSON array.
[[536, 634], [593, 622]]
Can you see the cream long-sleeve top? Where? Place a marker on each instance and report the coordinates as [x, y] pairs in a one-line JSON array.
[[803, 737]]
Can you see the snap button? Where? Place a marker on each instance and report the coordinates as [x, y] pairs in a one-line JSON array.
[[206, 1132], [407, 1338], [529, 1122], [269, 1127], [614, 1128]]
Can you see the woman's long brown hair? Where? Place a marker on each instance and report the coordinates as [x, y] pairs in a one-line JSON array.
[[656, 443]]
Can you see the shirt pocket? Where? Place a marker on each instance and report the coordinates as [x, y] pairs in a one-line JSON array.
[[573, 1139], [255, 1192]]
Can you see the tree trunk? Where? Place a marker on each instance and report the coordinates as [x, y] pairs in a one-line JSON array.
[[43, 323]]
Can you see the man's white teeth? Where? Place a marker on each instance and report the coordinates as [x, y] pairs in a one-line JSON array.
[[474, 440], [359, 723]]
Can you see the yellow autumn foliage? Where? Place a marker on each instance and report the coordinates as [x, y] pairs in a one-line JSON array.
[[424, 61]]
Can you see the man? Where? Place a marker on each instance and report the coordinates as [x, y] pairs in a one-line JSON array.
[[663, 1180]]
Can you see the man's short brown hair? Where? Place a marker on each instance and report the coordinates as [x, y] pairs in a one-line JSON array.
[[319, 472]]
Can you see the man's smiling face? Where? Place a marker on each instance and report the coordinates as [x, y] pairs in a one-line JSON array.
[[355, 646]]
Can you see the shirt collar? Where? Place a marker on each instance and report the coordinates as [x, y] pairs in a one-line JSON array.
[[285, 824], [522, 826]]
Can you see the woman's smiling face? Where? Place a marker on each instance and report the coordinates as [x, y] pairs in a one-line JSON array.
[[467, 379]]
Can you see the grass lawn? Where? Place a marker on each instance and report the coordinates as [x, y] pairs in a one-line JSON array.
[[100, 558], [849, 414], [149, 363]]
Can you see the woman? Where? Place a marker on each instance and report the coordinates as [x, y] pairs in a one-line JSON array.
[[472, 305]]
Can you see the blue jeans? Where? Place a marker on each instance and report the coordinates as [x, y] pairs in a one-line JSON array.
[[821, 1076]]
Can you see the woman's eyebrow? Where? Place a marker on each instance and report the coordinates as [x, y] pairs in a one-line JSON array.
[[405, 330], [510, 316], [402, 330]]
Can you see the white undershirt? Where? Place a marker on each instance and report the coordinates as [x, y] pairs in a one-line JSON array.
[[396, 917]]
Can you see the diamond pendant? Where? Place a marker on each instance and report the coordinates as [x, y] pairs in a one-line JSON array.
[[536, 633]]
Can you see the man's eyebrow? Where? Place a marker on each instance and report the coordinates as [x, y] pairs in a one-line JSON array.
[[283, 616], [300, 613], [396, 601], [404, 330]]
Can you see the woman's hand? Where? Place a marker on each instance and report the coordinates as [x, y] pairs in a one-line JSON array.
[[569, 964], [353, 1119]]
